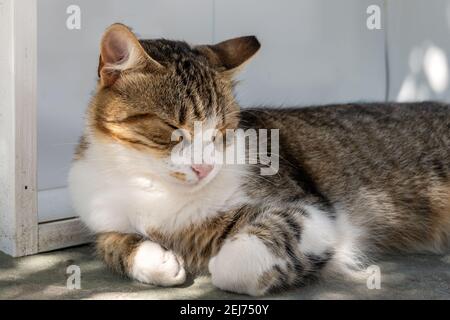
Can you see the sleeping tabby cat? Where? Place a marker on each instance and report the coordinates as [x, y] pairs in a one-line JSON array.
[[354, 180]]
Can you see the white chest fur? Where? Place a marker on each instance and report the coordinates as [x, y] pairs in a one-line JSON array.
[[113, 194]]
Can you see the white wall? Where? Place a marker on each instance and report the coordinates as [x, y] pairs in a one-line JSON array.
[[313, 51]]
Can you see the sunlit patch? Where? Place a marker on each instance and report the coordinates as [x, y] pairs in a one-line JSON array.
[[436, 68], [408, 90], [428, 74], [142, 182]]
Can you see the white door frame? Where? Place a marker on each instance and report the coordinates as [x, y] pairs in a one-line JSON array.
[[20, 232]]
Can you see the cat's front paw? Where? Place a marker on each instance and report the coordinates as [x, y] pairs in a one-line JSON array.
[[154, 265]]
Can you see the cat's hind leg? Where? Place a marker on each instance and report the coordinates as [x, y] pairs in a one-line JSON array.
[[243, 264], [262, 256], [281, 249]]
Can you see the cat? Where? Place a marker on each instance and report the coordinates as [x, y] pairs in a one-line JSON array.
[[353, 180]]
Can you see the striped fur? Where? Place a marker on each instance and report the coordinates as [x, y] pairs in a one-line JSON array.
[[118, 250]]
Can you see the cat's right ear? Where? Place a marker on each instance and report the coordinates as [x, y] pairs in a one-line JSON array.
[[231, 55], [121, 51]]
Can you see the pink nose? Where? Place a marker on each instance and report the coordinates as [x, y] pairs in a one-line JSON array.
[[202, 170]]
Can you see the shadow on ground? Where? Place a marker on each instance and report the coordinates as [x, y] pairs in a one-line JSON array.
[[44, 277]]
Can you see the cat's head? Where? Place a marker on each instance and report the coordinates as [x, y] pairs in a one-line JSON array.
[[150, 88]]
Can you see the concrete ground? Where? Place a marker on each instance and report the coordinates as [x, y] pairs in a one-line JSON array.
[[44, 277]]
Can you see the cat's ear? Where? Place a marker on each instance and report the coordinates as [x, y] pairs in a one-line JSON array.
[[229, 56], [120, 50]]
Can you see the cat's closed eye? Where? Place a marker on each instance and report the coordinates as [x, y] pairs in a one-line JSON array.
[[138, 117]]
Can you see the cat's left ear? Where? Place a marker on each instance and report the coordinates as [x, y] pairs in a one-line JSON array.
[[231, 55], [121, 51]]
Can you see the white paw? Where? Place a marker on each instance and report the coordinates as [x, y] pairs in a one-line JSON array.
[[154, 265], [239, 265]]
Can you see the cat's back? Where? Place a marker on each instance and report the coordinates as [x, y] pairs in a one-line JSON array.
[[391, 130], [345, 117], [386, 164], [362, 143]]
